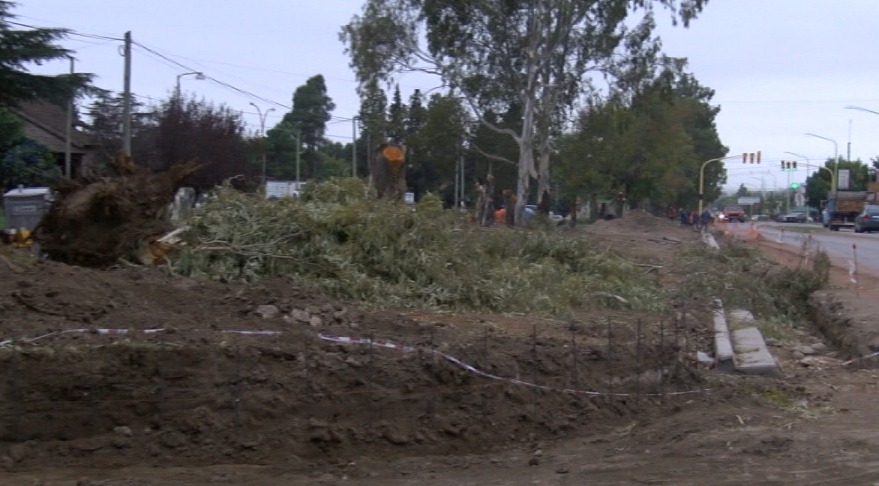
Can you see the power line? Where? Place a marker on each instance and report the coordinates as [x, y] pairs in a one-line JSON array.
[[209, 77]]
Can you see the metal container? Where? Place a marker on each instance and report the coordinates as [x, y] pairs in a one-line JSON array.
[[25, 206]]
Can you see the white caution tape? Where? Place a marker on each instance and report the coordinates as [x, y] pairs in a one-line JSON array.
[[370, 342], [476, 371]]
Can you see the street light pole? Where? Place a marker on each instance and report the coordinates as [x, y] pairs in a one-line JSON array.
[[702, 177], [774, 180], [262, 131], [702, 172], [198, 75], [762, 186], [808, 165], [859, 108], [835, 178]]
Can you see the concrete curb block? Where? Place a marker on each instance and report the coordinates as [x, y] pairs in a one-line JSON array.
[[743, 350], [724, 358], [752, 356]]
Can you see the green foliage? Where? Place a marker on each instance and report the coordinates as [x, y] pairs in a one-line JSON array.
[[11, 130], [311, 111], [338, 237], [30, 164], [649, 144], [819, 184], [107, 113], [501, 56], [742, 279], [19, 48]]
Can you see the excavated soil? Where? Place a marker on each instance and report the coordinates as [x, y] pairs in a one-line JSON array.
[[130, 375]]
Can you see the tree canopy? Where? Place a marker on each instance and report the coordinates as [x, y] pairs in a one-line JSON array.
[[312, 109], [534, 54], [188, 129], [21, 47]]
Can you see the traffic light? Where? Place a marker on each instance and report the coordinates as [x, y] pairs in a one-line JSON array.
[[794, 185], [794, 164], [782, 165]]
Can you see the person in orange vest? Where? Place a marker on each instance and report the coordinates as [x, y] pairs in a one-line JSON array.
[[499, 215]]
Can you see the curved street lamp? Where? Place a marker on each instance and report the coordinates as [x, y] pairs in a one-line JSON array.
[[702, 177], [719, 159], [859, 108], [197, 74], [835, 179], [262, 131]]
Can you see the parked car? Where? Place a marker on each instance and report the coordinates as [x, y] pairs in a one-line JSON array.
[[868, 219], [761, 217], [795, 217]]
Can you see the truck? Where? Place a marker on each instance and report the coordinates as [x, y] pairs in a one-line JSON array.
[[841, 208], [734, 212]]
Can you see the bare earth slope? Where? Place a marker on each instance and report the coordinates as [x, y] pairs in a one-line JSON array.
[[132, 376]]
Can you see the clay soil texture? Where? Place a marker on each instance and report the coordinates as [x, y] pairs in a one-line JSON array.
[[130, 375]]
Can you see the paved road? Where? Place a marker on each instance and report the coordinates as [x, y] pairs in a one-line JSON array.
[[841, 246]]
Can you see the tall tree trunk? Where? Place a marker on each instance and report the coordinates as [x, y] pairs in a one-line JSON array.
[[543, 185]]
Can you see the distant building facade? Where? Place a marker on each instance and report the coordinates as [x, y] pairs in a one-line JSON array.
[[45, 123]]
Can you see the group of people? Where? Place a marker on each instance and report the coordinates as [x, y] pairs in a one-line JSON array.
[[692, 218]]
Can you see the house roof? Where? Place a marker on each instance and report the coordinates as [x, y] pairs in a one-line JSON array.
[[46, 123]]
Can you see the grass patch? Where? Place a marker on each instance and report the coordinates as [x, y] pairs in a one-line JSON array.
[[743, 279], [800, 406]]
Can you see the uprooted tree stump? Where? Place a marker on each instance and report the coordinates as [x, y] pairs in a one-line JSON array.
[[99, 221]]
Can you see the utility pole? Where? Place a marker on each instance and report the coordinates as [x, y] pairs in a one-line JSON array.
[[354, 147], [298, 147], [68, 127], [126, 98]]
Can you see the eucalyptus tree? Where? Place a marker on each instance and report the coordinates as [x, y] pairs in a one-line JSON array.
[[497, 53]]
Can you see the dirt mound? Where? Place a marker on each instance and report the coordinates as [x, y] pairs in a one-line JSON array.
[[130, 365], [98, 221], [127, 372]]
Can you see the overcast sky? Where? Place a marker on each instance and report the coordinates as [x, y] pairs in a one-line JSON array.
[[779, 68]]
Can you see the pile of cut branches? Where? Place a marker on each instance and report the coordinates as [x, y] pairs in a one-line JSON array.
[[342, 239]]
